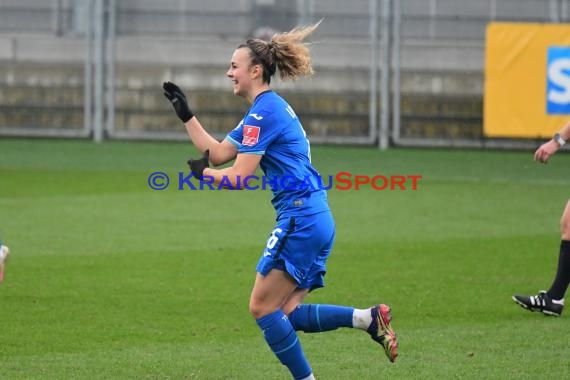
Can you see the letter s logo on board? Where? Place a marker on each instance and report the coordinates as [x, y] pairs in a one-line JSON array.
[[558, 80]]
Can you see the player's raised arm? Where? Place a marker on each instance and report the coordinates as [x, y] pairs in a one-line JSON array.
[[220, 152]]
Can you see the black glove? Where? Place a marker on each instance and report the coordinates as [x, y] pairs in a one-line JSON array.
[[197, 166], [178, 100]]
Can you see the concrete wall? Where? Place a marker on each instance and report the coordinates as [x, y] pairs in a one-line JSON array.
[[42, 56], [42, 70]]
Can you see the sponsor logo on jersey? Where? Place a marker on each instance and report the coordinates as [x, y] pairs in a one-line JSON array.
[[256, 116], [250, 135]]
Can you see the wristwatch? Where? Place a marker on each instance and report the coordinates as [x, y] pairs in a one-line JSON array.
[[559, 139]]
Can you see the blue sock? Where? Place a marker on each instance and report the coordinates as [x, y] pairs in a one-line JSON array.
[[284, 342], [317, 318]]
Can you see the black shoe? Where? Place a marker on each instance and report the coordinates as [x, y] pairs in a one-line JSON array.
[[540, 302]]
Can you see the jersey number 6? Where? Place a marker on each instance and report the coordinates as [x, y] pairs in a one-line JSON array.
[[273, 238]]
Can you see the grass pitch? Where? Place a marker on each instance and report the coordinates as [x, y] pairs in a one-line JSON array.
[[109, 279]]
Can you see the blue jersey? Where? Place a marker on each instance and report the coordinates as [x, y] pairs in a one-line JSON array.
[[271, 128]]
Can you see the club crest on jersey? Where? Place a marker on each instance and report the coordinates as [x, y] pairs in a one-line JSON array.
[[250, 135]]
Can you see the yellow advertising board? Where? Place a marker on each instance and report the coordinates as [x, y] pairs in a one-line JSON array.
[[527, 79]]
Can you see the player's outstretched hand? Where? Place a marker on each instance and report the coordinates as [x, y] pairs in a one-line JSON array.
[[178, 100], [197, 166], [545, 151]]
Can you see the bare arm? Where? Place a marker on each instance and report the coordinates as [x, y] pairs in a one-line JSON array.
[[245, 165], [546, 150], [220, 152]]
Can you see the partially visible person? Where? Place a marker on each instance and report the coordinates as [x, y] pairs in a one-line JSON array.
[[4, 253], [551, 301], [293, 263]]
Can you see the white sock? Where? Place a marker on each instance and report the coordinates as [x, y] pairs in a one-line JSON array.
[[310, 377], [361, 319]]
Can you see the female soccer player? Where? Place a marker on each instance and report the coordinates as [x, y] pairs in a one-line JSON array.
[[293, 261], [551, 302]]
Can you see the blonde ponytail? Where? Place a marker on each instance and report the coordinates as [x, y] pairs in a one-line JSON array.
[[285, 52], [292, 56]]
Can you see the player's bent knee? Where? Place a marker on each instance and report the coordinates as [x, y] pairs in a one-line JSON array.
[[565, 229], [565, 225], [258, 309]]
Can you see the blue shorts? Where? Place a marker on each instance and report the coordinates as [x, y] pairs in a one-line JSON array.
[[300, 246]]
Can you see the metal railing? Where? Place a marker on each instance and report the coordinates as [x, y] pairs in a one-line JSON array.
[[403, 72]]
